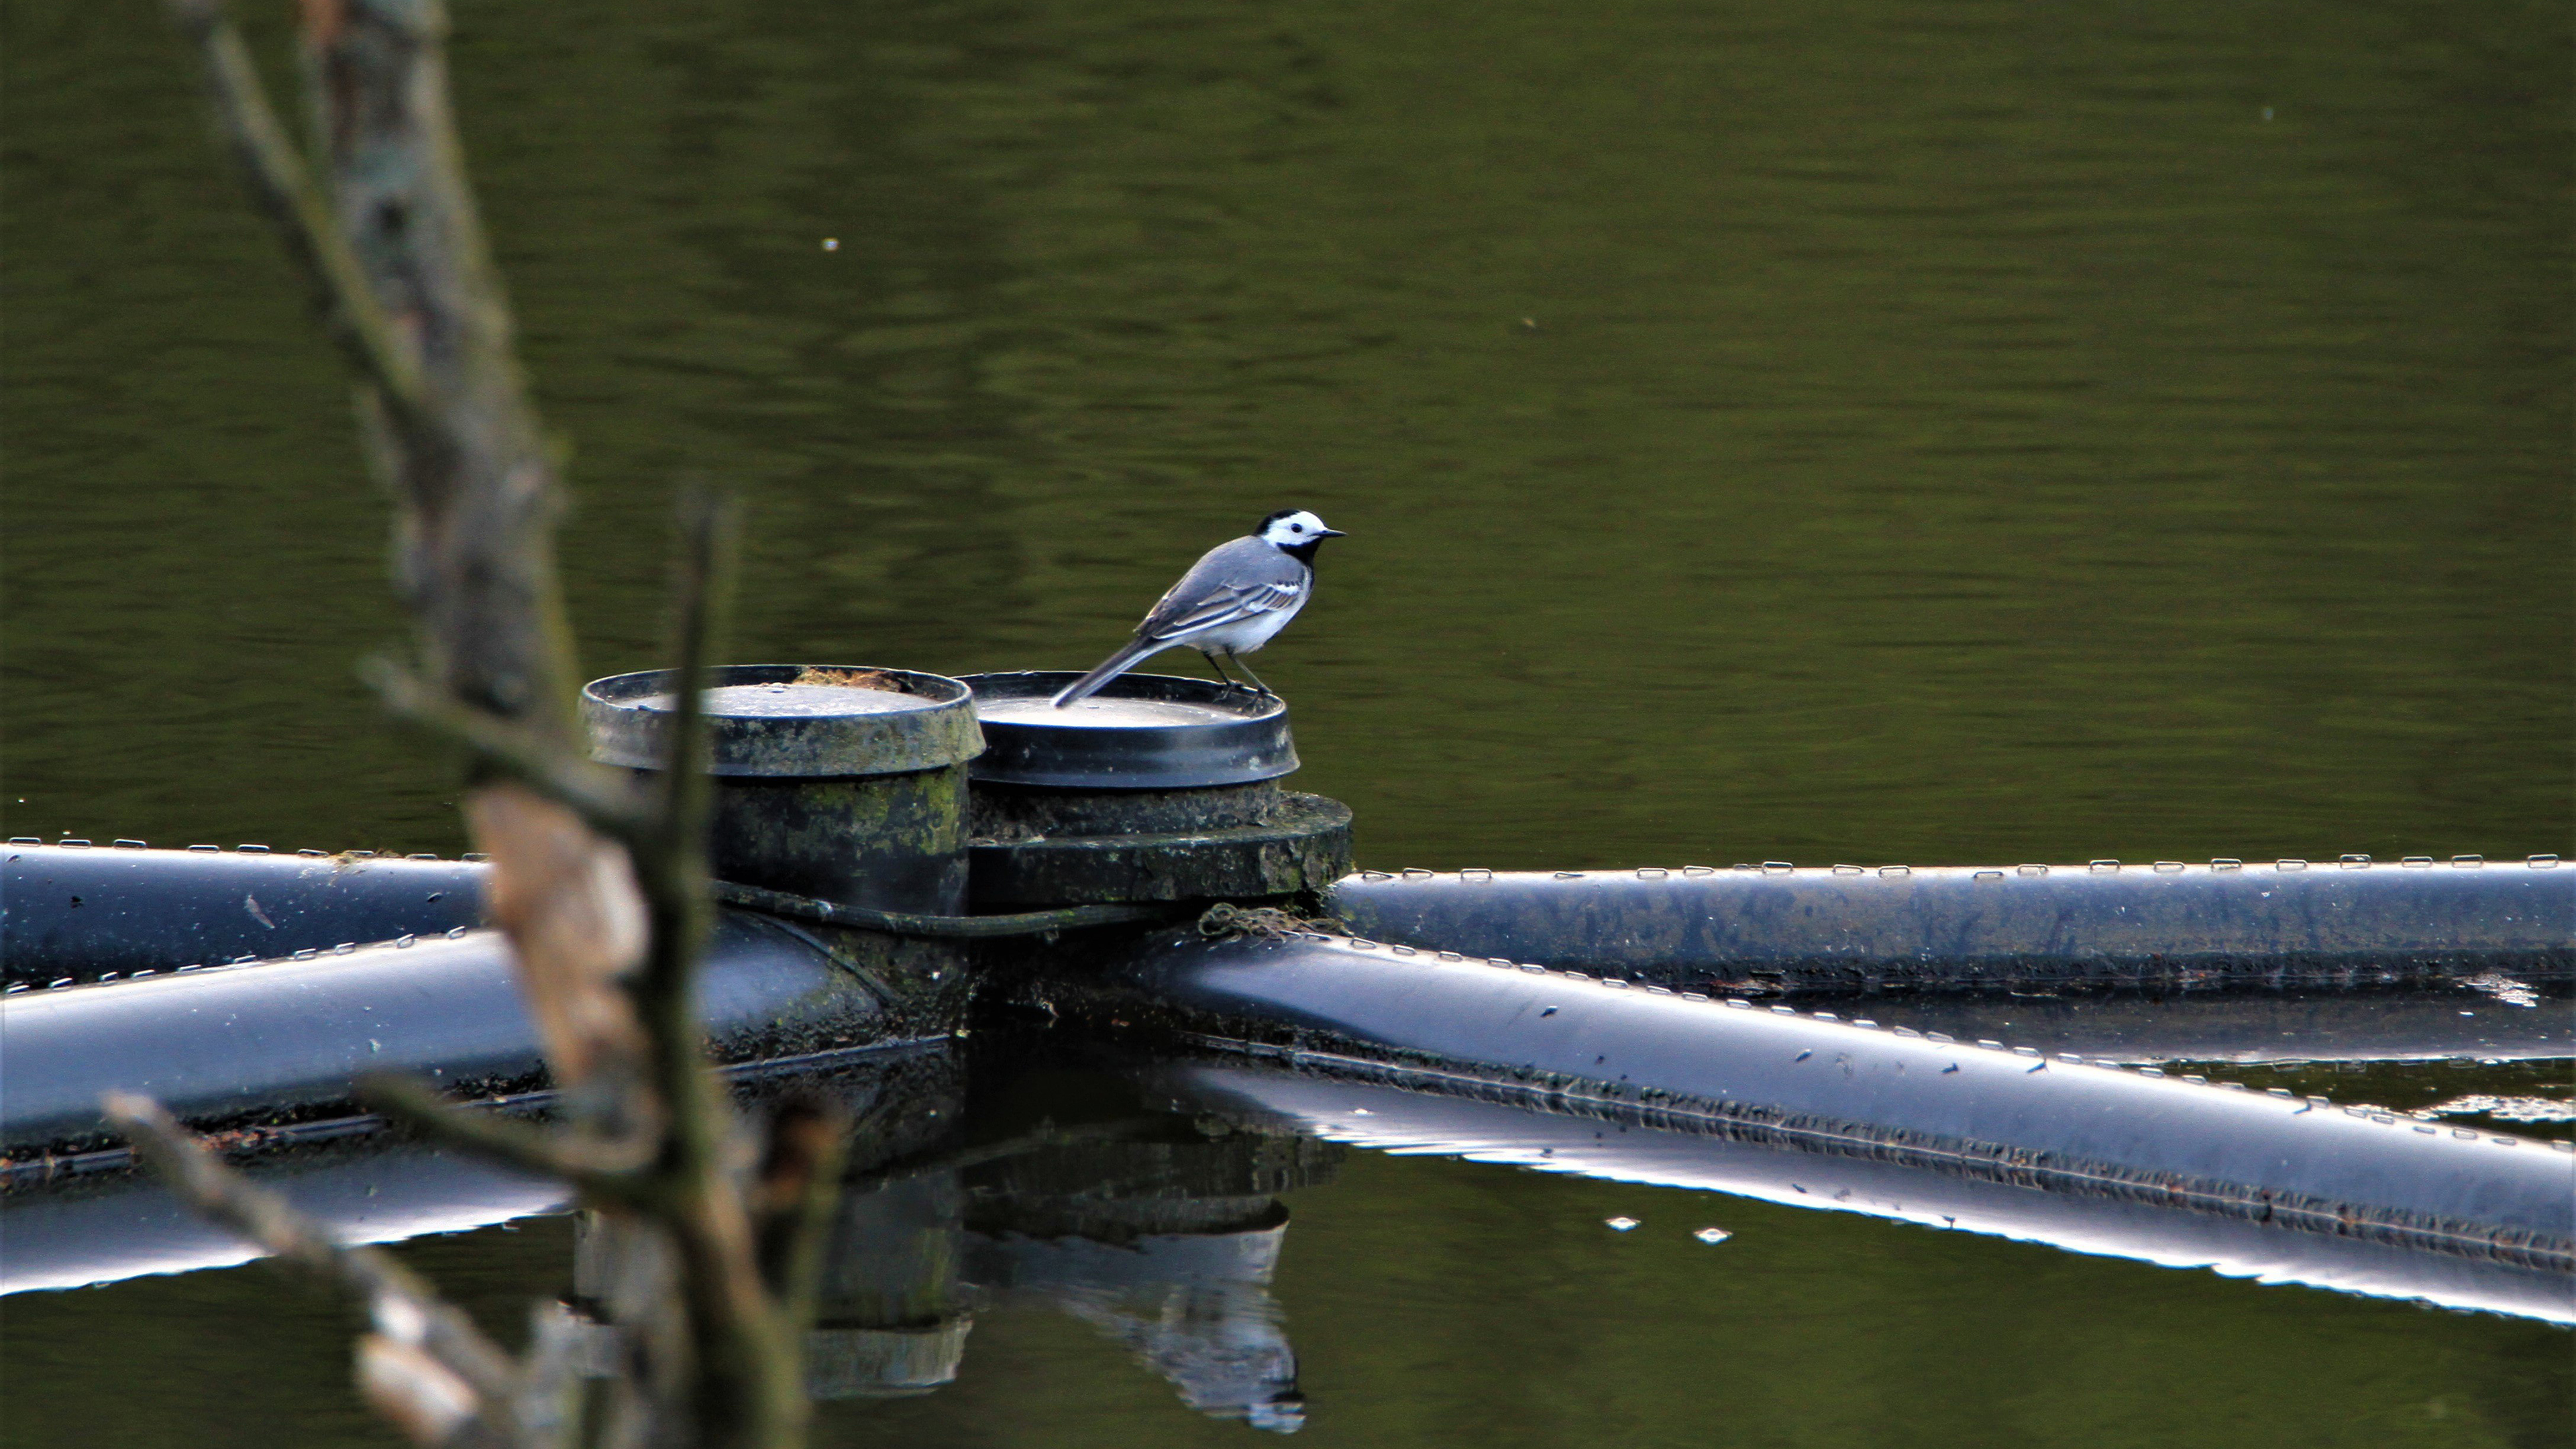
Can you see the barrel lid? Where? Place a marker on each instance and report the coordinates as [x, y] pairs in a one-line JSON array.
[[792, 720], [1140, 732]]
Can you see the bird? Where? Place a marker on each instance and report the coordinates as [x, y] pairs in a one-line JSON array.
[[1231, 602]]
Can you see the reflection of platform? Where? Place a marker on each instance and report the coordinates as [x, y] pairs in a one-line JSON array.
[[884, 1363], [1394, 1119], [1159, 1232]]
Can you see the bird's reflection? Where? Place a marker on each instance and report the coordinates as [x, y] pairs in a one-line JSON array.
[[1163, 1236], [1060, 1191]]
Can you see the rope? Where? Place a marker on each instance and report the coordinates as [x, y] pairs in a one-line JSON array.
[[906, 923]]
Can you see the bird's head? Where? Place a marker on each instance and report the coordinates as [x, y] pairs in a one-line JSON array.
[[1294, 528]]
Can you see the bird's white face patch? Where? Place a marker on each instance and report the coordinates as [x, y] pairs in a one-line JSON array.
[[1298, 527]]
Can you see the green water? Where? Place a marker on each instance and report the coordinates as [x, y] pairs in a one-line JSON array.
[[1850, 431]]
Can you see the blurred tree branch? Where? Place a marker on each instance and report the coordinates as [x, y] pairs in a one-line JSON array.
[[601, 885]]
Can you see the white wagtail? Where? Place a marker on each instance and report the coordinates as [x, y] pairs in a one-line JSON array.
[[1231, 601]]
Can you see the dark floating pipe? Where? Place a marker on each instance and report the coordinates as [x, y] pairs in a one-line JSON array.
[[286, 1038], [1753, 929], [72, 911], [1525, 1034], [83, 913]]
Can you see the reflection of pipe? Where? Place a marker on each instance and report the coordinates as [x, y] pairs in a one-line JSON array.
[[1380, 1116], [1847, 929], [291, 1035], [2253, 1026], [1527, 1034], [371, 1187], [132, 1227]]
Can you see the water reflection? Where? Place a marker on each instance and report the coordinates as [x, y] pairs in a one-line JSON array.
[[1195, 1308], [1998, 1203], [1167, 1247], [1160, 1229], [892, 1313], [83, 1235], [1143, 1198]]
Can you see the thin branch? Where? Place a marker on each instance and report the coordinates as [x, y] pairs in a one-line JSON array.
[[754, 1391], [796, 1189], [606, 1172], [671, 865], [284, 188], [708, 525], [267, 1220], [528, 754]]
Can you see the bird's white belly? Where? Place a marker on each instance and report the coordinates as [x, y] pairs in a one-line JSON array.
[[1244, 635]]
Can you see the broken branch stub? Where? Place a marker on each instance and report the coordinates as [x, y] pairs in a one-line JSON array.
[[568, 899]]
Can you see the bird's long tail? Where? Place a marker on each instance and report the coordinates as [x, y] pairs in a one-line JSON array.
[[1110, 668]]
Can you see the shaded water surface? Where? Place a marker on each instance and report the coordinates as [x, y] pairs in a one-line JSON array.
[[1851, 431]]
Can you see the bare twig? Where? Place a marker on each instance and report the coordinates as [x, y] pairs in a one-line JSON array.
[[604, 1172], [535, 758], [753, 1386], [426, 1362], [284, 188]]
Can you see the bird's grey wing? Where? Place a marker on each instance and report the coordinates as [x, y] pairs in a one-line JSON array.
[[1231, 581], [1238, 602]]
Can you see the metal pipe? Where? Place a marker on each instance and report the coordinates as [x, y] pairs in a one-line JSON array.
[[82, 913], [1772, 928], [289, 1037], [1522, 1033]]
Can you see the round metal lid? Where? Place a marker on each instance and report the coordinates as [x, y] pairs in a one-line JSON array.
[[1142, 732], [792, 720]]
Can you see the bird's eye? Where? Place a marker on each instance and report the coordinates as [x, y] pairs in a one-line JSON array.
[[1296, 528]]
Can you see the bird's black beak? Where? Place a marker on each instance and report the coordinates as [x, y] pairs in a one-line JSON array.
[[1331, 533]]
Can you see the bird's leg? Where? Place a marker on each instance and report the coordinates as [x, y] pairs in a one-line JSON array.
[[1210, 656], [1248, 674]]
